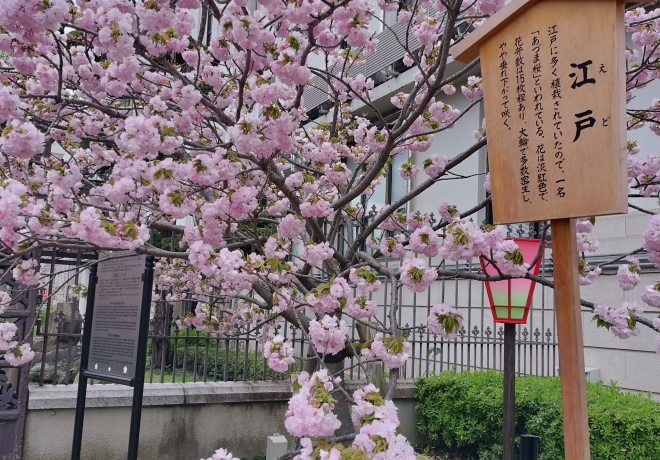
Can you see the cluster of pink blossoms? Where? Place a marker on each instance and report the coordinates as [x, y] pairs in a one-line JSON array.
[[361, 307], [393, 247], [473, 89], [328, 297], [425, 241], [314, 254], [509, 259], [620, 321], [464, 241], [378, 423], [392, 351], [587, 274], [14, 353], [222, 454], [279, 353], [27, 272], [416, 275], [5, 301], [21, 139], [377, 438], [585, 242], [329, 335], [628, 274], [365, 280], [651, 240], [310, 408], [444, 321], [651, 295], [435, 164]]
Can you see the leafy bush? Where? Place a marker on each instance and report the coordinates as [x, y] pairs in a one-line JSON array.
[[464, 412], [239, 367]]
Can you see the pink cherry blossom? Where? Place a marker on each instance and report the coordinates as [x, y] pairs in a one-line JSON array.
[[586, 243], [416, 275], [21, 139], [628, 274], [310, 408], [26, 272], [509, 259], [651, 237], [392, 247], [621, 321], [587, 274], [314, 254], [7, 333], [315, 208], [279, 353], [365, 280], [448, 89], [221, 454], [392, 351], [425, 241], [291, 227], [464, 240], [361, 307], [328, 335], [473, 90], [19, 355], [445, 321], [435, 165], [5, 300], [448, 212], [489, 7], [10, 104], [651, 295]]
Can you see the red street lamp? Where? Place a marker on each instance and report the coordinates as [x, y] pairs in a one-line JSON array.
[[510, 299], [509, 302]]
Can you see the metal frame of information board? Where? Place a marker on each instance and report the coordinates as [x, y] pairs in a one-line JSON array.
[[136, 382]]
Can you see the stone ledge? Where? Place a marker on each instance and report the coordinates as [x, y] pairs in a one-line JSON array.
[[51, 397]]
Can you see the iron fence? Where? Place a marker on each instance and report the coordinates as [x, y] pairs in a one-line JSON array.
[[191, 356]]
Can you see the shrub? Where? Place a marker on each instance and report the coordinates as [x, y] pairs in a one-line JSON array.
[[238, 365], [464, 412]]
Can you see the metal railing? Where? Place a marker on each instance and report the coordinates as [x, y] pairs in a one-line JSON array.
[[190, 356]]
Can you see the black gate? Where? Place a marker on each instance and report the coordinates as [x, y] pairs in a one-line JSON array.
[[14, 381]]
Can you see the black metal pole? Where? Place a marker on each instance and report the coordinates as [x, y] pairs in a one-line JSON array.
[[509, 392], [84, 360], [529, 447], [138, 390]]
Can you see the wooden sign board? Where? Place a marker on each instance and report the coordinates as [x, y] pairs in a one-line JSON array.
[[554, 96]]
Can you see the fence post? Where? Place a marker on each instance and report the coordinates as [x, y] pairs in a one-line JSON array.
[[529, 447]]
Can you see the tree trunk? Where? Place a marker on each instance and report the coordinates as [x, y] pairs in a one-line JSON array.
[[343, 406], [160, 327]]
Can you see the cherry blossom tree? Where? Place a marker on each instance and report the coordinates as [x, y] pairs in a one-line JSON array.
[[159, 126]]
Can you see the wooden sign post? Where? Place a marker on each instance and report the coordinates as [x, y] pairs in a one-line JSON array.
[[554, 95]]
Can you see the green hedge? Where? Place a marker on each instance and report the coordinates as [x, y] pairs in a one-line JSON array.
[[463, 412], [255, 366]]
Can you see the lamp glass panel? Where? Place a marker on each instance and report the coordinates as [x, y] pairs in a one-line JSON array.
[[519, 292], [500, 292], [517, 313], [502, 312]]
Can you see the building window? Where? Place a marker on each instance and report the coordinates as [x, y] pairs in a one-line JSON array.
[[397, 187]]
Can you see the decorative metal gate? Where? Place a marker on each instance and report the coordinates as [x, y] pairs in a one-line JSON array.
[[14, 381]]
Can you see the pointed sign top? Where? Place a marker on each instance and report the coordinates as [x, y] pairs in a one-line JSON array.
[[468, 48]]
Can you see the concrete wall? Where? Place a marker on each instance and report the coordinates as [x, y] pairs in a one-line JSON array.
[[633, 362], [180, 421]]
